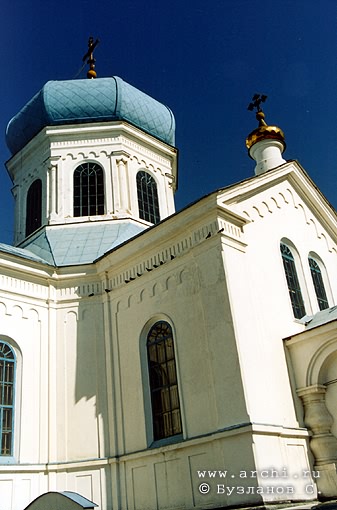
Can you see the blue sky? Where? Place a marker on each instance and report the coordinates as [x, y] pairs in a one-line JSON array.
[[203, 59]]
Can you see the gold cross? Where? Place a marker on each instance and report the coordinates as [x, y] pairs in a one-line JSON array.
[[90, 56], [256, 102]]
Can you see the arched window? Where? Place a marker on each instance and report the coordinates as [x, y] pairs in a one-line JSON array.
[[293, 282], [88, 190], [7, 383], [163, 381], [317, 279], [34, 207], [147, 197]]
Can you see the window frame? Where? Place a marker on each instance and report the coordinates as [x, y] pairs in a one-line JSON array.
[[83, 205], [147, 197], [3, 344], [33, 207], [324, 281], [158, 435], [293, 280]]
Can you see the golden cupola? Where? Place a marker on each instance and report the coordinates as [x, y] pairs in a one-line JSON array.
[[265, 144]]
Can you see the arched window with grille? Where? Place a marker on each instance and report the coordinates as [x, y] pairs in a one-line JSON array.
[[7, 391], [166, 418], [147, 197], [317, 279], [294, 288], [34, 207], [88, 190]]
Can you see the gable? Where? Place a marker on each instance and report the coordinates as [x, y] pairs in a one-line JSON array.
[[289, 194]]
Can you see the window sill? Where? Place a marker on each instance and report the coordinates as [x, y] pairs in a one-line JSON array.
[[166, 441], [4, 459]]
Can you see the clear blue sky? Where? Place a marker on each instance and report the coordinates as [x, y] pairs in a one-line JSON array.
[[203, 59]]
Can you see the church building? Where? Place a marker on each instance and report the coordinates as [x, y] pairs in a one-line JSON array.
[[153, 359]]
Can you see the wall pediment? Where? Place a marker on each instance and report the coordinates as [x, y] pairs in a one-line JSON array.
[[288, 186]]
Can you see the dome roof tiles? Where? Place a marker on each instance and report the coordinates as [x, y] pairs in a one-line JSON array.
[[84, 101]]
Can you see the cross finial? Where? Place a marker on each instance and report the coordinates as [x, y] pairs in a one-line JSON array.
[[90, 56], [256, 103]]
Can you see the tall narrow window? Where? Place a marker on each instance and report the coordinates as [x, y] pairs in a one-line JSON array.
[[34, 207], [292, 281], [147, 197], [318, 284], [7, 380], [88, 190], [163, 381]]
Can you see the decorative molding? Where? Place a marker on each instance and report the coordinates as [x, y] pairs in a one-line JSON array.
[[87, 142], [257, 210], [69, 293], [180, 248], [66, 291], [23, 288], [23, 311], [141, 149], [122, 156], [99, 142], [172, 281]]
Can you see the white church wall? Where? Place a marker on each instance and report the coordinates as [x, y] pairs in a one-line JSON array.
[[24, 325], [205, 346], [175, 475], [24, 168], [80, 400], [120, 155], [265, 304], [263, 314]]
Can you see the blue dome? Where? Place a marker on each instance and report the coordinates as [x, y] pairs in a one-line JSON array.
[[83, 101]]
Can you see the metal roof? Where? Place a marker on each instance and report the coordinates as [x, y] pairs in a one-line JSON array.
[[21, 252], [320, 318], [68, 245], [77, 498], [55, 500], [84, 101]]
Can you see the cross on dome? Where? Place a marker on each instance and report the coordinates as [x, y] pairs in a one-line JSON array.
[[91, 74]]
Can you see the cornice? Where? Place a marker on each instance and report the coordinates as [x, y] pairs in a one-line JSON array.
[[105, 131], [109, 133]]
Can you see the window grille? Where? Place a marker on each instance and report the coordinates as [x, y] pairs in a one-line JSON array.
[[293, 283], [317, 279], [163, 381], [34, 207], [7, 381], [88, 190], [147, 197]]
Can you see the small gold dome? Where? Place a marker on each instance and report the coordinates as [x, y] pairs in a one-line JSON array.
[[91, 74], [264, 132]]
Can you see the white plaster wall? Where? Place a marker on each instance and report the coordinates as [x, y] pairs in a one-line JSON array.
[[24, 326], [80, 382], [260, 299], [204, 345]]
